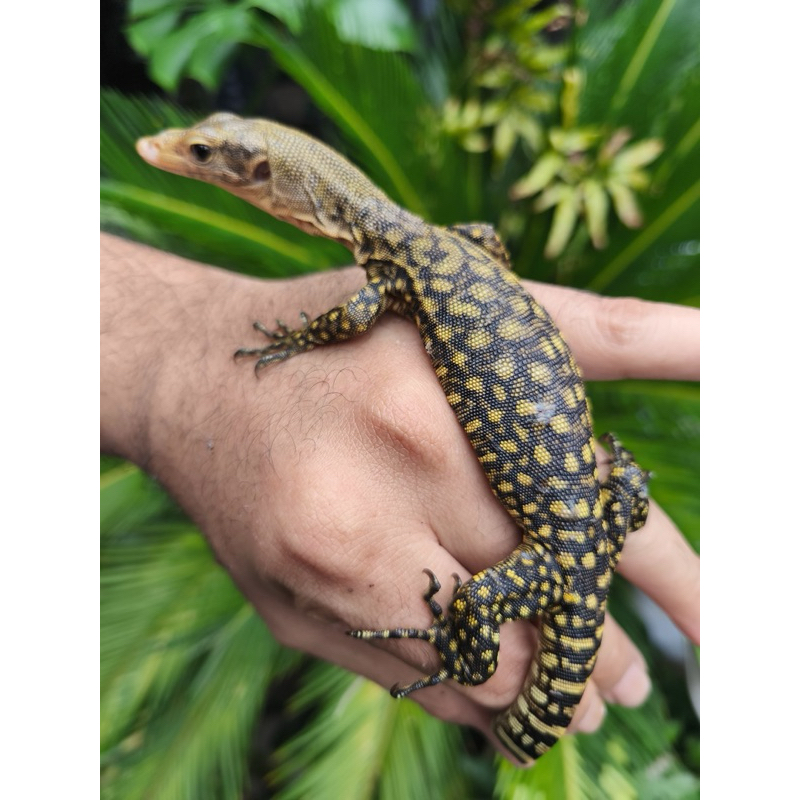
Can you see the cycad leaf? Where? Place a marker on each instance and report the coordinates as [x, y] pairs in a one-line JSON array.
[[364, 744], [184, 662], [564, 219], [595, 204], [642, 73], [540, 175]]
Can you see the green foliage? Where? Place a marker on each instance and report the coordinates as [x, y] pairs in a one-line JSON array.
[[364, 744], [185, 661], [582, 97], [184, 38]]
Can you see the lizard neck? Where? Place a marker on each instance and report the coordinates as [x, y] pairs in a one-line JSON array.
[[380, 229]]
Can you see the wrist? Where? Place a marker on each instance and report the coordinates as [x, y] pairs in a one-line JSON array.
[[169, 328], [158, 318]]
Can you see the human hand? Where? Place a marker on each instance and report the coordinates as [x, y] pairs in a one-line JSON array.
[[326, 485]]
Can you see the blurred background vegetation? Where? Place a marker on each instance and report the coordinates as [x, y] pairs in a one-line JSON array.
[[574, 129]]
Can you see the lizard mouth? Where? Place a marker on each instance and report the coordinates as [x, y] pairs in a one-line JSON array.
[[158, 151]]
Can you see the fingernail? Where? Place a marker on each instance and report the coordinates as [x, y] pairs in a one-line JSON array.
[[632, 688]]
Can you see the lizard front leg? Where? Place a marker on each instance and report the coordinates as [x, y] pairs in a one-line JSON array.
[[352, 318]]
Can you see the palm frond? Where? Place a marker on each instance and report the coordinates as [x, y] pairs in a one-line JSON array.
[[185, 661], [361, 743]]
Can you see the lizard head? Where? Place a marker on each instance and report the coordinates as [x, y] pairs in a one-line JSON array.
[[283, 171]]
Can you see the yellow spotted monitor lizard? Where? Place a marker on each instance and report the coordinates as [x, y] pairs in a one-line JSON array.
[[508, 376]]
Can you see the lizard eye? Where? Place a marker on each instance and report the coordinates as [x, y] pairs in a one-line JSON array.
[[262, 171], [201, 152]]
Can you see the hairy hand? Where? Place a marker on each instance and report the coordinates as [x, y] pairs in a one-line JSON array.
[[327, 484]]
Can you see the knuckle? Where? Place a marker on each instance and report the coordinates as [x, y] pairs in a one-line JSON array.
[[286, 635], [621, 321], [395, 424]]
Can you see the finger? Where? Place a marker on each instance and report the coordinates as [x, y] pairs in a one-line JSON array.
[[621, 671], [295, 629], [658, 560], [590, 712], [624, 337]]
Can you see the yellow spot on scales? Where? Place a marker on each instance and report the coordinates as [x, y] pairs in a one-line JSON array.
[[441, 285], [578, 645], [482, 292], [478, 339], [567, 687], [540, 373], [474, 384], [568, 396], [504, 367], [511, 329], [459, 308], [566, 560], [547, 348]]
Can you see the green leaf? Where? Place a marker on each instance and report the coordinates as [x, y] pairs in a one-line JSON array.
[[366, 744], [595, 203], [542, 173], [564, 219], [647, 42], [209, 60], [637, 155], [660, 423], [175, 52], [377, 24], [184, 663], [574, 141], [290, 12], [625, 203], [559, 774], [147, 32], [140, 8], [646, 238]]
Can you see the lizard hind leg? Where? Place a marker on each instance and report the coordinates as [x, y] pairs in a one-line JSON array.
[[625, 496], [440, 634]]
